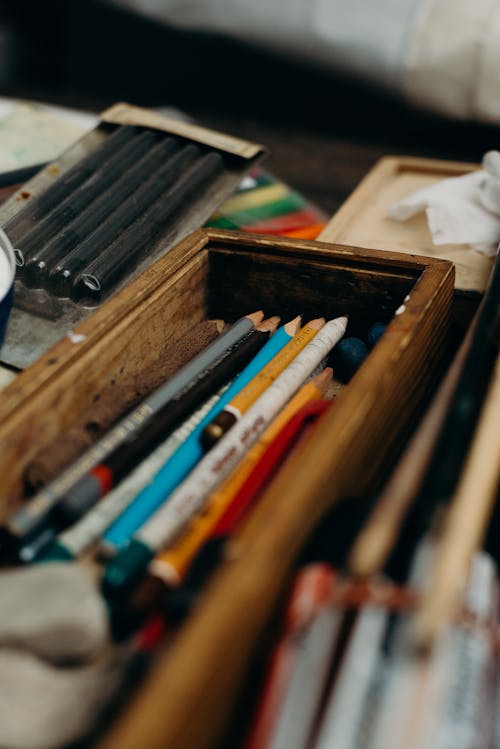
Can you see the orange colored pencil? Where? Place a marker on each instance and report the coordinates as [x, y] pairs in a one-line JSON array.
[[262, 380], [172, 563]]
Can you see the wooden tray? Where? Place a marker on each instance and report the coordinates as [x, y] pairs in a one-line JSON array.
[[362, 220], [187, 699]]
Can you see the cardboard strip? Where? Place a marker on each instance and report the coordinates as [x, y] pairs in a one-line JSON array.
[[127, 114]]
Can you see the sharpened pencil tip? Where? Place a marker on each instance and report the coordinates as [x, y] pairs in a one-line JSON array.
[[256, 317], [317, 323], [269, 325], [293, 326], [220, 325], [323, 379]]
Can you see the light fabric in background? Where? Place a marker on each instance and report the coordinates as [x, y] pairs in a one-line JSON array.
[[442, 55]]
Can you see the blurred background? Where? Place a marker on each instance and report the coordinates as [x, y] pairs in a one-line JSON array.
[[326, 111]]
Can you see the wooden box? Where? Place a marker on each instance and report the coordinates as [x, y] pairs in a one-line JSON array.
[[363, 219], [185, 702]]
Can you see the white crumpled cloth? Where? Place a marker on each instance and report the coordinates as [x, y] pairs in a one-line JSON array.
[[58, 667], [460, 210]]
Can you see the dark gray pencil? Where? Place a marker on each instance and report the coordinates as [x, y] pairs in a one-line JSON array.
[[64, 273], [39, 266], [31, 520], [104, 272], [79, 199], [121, 461], [40, 205]]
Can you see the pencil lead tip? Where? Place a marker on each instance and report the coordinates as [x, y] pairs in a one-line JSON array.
[[256, 317], [323, 379], [269, 325], [317, 323], [292, 326]]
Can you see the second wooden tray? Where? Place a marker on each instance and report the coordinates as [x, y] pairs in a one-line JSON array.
[[363, 219]]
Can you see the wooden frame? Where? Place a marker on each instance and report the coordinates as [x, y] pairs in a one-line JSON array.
[[214, 273]]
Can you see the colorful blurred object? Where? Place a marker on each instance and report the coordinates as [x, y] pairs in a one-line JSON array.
[[264, 204]]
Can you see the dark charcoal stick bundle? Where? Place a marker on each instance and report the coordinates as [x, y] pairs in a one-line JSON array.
[[80, 236]]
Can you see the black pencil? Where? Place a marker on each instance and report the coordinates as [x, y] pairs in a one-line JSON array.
[[76, 201], [57, 248], [103, 273], [40, 205], [138, 446], [79, 479], [64, 273], [121, 461]]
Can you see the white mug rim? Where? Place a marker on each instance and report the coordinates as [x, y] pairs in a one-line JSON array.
[[8, 250]]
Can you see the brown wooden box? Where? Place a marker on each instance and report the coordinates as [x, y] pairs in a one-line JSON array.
[[213, 273], [363, 219]]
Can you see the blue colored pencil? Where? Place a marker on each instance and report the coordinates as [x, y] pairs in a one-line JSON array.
[[188, 454]]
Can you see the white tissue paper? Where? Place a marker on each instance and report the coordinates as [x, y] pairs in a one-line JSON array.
[[460, 210]]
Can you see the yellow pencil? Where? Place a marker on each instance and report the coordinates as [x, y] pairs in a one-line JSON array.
[[262, 380], [172, 563]]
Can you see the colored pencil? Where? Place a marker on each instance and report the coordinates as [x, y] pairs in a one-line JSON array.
[[308, 600], [86, 532], [271, 459], [172, 563], [31, 519], [130, 564], [189, 453], [249, 394], [185, 561], [349, 708], [121, 460]]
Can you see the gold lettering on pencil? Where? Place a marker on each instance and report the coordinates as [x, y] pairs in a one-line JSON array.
[[229, 455], [252, 430]]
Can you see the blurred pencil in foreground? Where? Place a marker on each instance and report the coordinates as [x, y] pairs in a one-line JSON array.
[[465, 522]]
